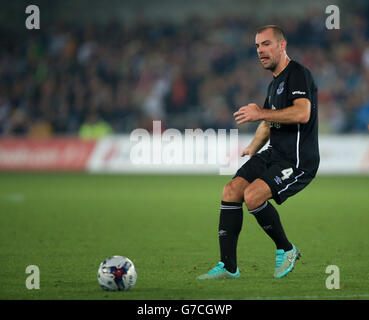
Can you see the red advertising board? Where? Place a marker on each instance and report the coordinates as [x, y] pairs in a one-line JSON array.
[[57, 154]]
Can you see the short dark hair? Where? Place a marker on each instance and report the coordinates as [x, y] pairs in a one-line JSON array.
[[278, 31]]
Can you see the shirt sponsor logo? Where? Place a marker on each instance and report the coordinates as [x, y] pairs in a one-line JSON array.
[[275, 124], [298, 92]]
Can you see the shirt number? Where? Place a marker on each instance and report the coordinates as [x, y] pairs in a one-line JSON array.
[[286, 173]]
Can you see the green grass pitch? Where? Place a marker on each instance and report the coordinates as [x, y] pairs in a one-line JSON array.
[[66, 224]]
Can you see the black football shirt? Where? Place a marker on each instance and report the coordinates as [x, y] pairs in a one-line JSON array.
[[296, 143]]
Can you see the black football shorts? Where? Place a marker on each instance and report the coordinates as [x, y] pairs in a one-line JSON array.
[[282, 177]]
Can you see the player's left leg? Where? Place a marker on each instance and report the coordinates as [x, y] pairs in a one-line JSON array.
[[256, 198]]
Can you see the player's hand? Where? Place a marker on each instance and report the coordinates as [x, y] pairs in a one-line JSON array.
[[248, 151], [248, 113]]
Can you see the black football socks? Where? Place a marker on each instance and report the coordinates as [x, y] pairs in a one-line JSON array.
[[230, 224], [268, 218]]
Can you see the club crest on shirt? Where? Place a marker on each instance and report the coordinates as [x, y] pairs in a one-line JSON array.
[[280, 88]]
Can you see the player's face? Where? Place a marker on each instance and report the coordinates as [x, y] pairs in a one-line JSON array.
[[269, 49]]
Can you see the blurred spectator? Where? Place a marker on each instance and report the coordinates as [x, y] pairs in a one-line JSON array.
[[94, 128], [40, 129]]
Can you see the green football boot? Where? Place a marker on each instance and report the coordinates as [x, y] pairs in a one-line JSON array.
[[285, 261], [219, 272]]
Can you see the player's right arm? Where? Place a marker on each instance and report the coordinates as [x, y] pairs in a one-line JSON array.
[[260, 139]]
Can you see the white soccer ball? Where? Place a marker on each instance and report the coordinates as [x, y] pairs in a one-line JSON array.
[[117, 273]]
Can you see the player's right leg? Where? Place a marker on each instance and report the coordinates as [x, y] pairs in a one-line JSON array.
[[230, 224], [231, 215]]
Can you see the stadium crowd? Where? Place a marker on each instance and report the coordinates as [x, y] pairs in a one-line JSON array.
[[192, 74]]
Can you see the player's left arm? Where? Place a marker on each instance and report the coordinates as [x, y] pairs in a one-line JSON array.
[[299, 112]]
